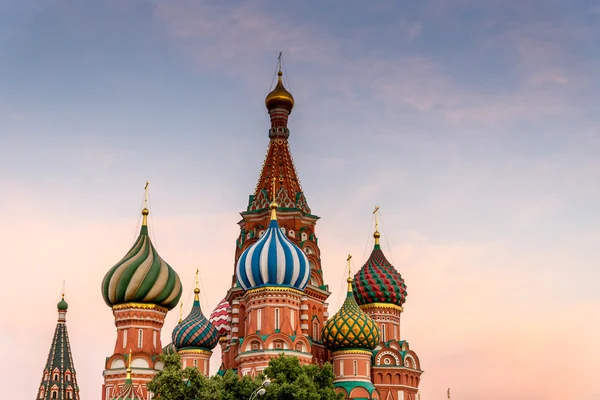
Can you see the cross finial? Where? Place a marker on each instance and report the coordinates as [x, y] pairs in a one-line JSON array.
[[63, 290], [197, 289], [349, 280], [448, 392], [376, 235], [279, 61], [145, 211], [181, 312]]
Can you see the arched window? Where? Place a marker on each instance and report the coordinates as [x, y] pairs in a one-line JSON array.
[[55, 377], [54, 395], [303, 236], [355, 367], [261, 233], [140, 338], [291, 233], [277, 318], [315, 331]]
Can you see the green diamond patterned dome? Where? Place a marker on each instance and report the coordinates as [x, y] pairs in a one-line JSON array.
[[378, 281], [350, 327], [142, 276]]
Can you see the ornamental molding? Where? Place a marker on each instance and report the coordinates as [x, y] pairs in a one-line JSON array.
[[195, 351], [279, 289], [388, 353], [143, 306], [352, 351], [381, 305]]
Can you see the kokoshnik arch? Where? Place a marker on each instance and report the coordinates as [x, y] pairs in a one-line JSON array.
[[277, 302]]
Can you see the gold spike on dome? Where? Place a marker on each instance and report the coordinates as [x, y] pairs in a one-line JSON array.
[[181, 312], [128, 377], [273, 206], [279, 97], [197, 289]]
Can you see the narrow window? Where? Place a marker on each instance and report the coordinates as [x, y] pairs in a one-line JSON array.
[[55, 377], [396, 332], [382, 332], [293, 319], [258, 319], [195, 363], [277, 318], [154, 339], [315, 331], [124, 338], [341, 367], [140, 338], [355, 367]]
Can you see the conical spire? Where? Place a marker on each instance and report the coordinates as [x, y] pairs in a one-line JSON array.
[[59, 374]]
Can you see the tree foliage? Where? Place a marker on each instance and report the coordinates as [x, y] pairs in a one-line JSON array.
[[289, 381]]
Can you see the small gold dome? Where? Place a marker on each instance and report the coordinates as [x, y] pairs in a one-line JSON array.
[[279, 97]]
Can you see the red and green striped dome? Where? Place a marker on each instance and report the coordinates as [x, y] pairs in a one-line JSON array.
[[378, 281]]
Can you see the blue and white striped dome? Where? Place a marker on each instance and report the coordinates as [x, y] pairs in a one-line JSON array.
[[273, 261]]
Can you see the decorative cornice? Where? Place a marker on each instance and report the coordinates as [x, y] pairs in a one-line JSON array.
[[143, 306], [352, 351], [274, 289], [195, 351], [381, 305]]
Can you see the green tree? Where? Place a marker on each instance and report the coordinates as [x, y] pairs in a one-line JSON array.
[[289, 381], [292, 381]]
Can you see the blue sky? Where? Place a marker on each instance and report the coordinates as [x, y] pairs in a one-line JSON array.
[[473, 124]]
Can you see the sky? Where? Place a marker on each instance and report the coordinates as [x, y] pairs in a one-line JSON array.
[[473, 124]]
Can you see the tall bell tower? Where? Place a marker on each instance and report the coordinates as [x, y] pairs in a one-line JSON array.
[[279, 183]]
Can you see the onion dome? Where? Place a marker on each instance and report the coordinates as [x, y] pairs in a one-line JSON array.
[[142, 276], [127, 391], [350, 327], [195, 330], [219, 318], [279, 97], [169, 349], [378, 281], [274, 260], [62, 304]]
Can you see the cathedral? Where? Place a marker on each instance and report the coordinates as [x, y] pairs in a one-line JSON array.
[[277, 302]]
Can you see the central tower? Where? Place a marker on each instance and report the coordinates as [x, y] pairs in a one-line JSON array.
[[304, 303]]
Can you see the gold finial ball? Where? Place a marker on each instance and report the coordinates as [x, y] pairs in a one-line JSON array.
[[376, 235], [279, 97], [145, 211], [349, 280], [196, 291], [274, 205]]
